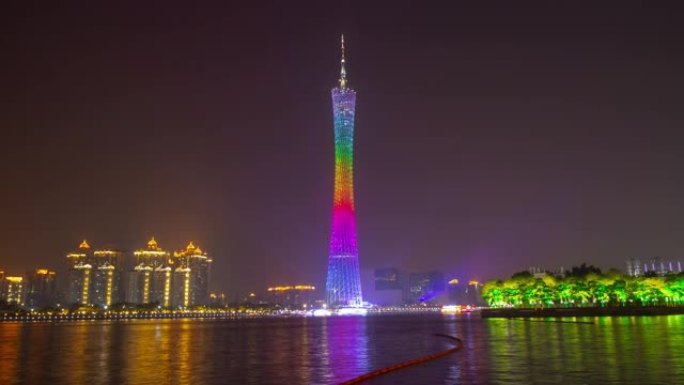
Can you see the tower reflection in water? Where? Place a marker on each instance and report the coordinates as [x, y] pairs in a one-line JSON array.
[[345, 345]]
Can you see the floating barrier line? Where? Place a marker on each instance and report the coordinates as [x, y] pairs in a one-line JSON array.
[[405, 364]]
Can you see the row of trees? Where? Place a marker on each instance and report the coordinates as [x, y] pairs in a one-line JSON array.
[[584, 286]]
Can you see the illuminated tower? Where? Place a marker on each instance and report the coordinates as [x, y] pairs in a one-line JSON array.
[[190, 285], [80, 274], [107, 273], [150, 280], [343, 285]]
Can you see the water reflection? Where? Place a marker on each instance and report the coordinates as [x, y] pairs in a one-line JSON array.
[[349, 350], [329, 350], [613, 350]]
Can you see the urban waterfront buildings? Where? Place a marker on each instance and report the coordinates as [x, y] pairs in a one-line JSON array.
[[395, 287], [294, 296], [343, 283], [95, 277], [100, 277]]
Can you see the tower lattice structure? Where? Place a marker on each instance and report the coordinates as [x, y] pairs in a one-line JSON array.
[[343, 284]]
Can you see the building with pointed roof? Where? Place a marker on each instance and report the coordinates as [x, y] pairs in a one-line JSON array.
[[191, 277], [80, 266], [149, 282]]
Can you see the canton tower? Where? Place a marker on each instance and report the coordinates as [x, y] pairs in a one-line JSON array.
[[343, 285]]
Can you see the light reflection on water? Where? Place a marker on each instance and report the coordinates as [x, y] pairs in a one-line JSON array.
[[615, 350]]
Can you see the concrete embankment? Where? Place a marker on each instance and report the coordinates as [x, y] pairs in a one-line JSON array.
[[583, 311]]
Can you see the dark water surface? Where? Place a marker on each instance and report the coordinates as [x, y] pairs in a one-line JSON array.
[[614, 350]]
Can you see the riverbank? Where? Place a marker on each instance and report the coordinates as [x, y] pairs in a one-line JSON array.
[[583, 311], [126, 316], [208, 314]]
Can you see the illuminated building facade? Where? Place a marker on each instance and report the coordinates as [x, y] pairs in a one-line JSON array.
[[12, 290], [150, 280], [80, 274], [180, 287], [107, 275], [343, 283], [297, 296], [192, 268], [41, 289]]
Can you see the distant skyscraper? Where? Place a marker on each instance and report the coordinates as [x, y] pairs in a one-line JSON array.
[[41, 289], [80, 274], [150, 280], [343, 284], [107, 276], [191, 277]]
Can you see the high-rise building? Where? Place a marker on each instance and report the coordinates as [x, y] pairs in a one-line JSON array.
[[150, 280], [13, 290], [80, 274], [41, 289], [343, 283], [107, 274], [191, 277]]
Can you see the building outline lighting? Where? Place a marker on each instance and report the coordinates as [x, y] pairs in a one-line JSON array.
[[343, 282]]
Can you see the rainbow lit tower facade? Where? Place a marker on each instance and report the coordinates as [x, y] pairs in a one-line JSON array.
[[343, 285]]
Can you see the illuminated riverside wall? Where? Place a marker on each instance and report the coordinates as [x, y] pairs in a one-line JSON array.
[[343, 284]]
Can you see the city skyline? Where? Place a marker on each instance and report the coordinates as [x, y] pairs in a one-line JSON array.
[[493, 140]]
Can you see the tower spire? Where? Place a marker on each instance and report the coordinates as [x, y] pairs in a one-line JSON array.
[[343, 71]]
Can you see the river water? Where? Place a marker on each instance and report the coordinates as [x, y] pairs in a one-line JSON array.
[[612, 350]]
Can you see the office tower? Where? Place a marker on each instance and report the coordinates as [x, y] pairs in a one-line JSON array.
[[343, 283]]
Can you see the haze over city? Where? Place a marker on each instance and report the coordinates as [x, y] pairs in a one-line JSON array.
[[487, 140]]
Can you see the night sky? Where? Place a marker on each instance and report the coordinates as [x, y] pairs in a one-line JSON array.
[[488, 139]]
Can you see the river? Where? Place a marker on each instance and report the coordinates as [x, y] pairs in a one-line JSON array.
[[612, 350]]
